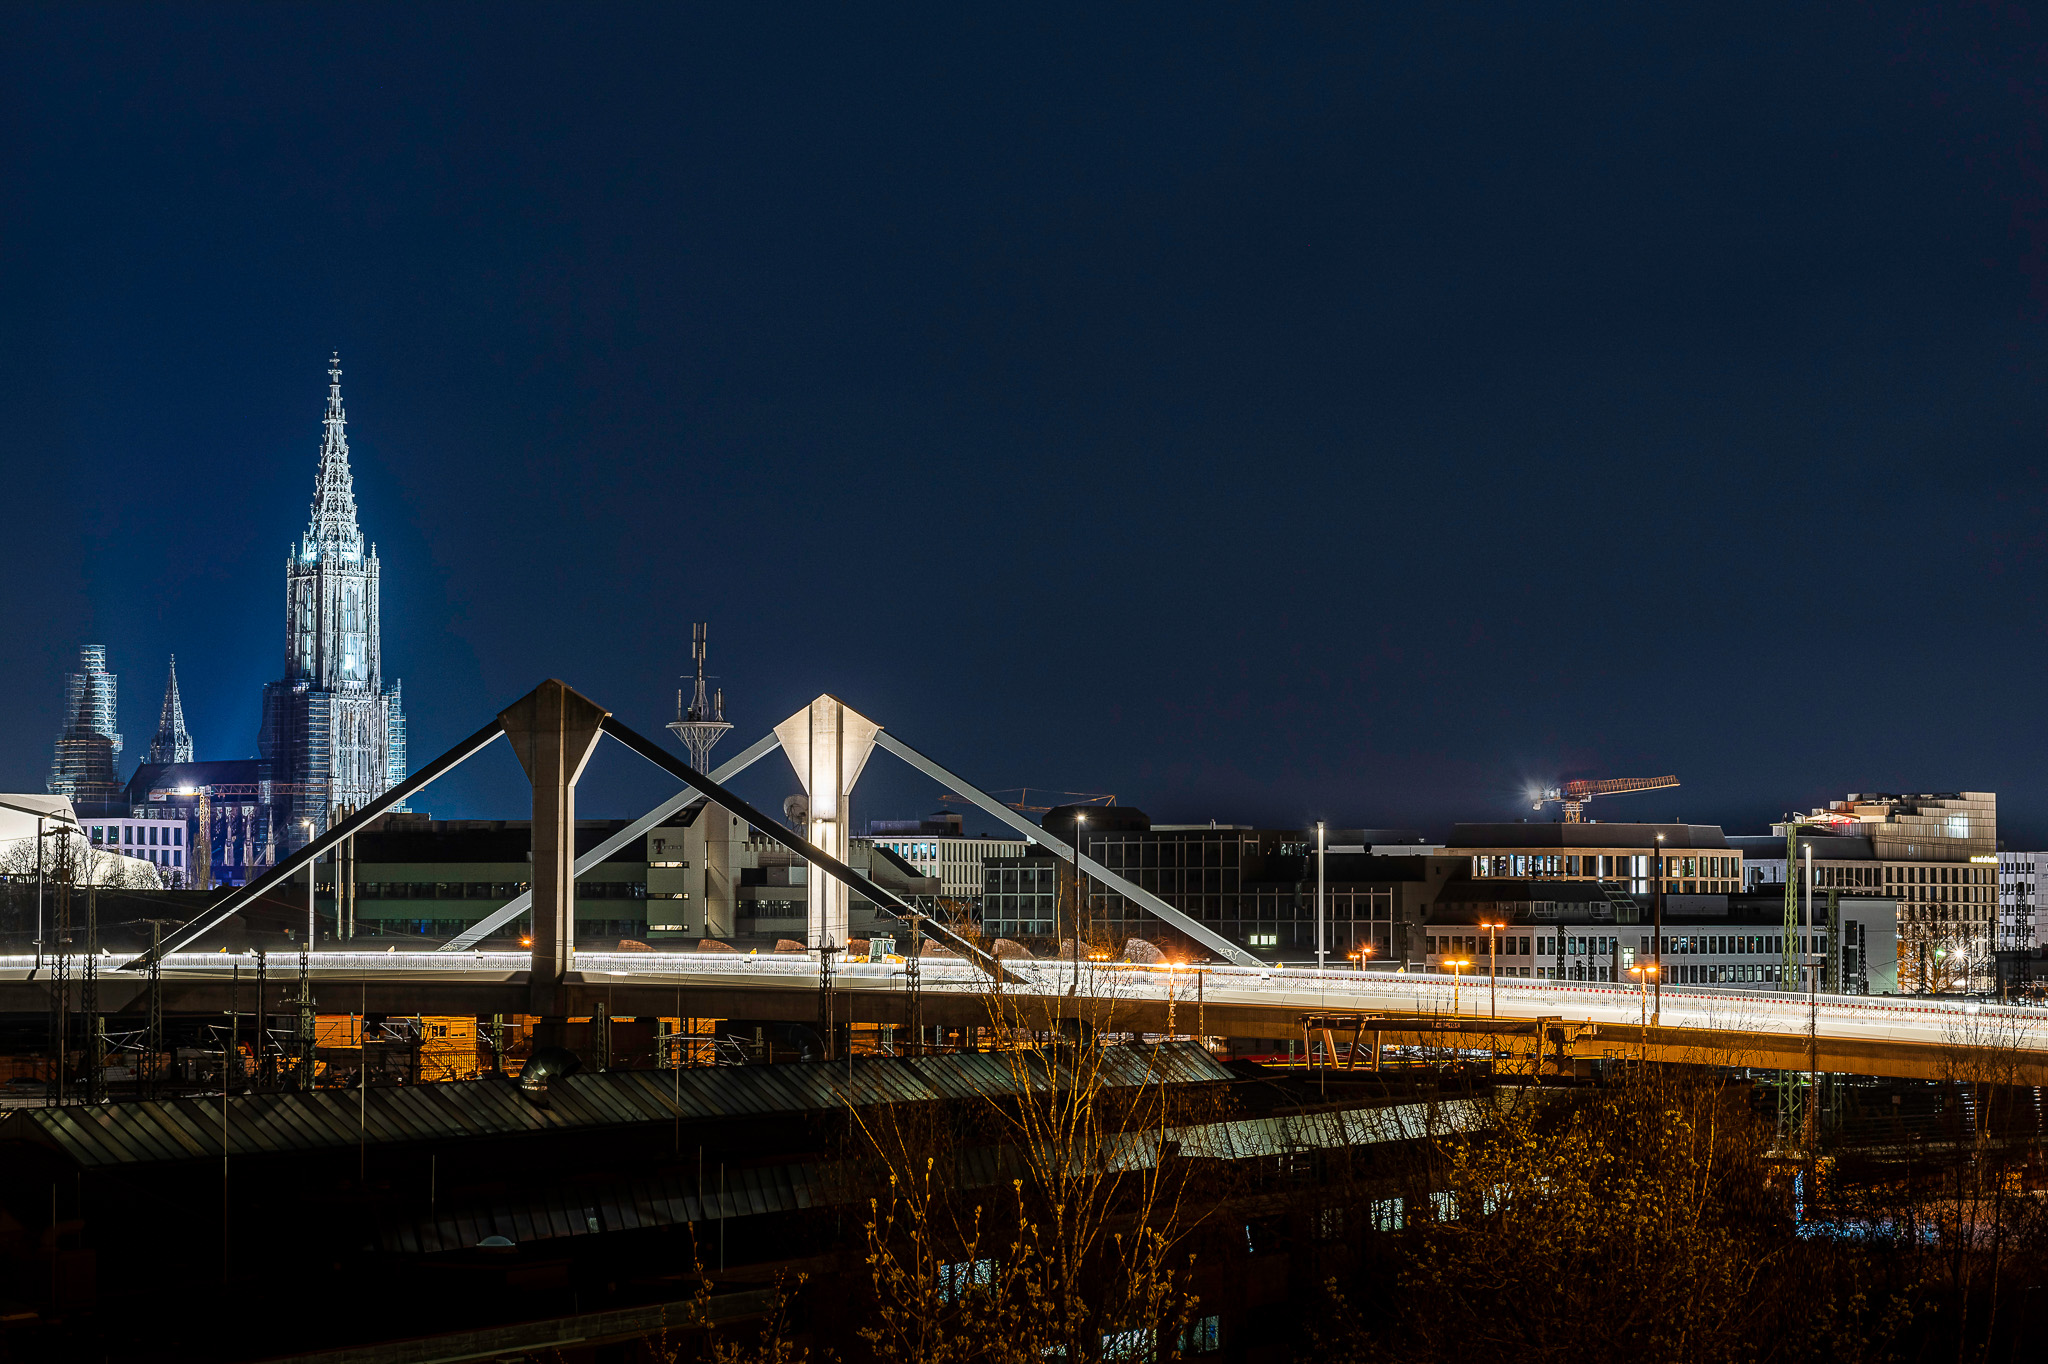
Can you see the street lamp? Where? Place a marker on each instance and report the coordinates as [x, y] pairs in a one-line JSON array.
[[1074, 984], [1492, 927], [1321, 952], [1657, 928], [1644, 974], [1455, 967]]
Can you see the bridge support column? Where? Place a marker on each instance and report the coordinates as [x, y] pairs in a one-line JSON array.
[[828, 743], [553, 730]]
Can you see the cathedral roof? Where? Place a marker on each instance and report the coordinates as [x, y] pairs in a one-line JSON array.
[[169, 777]]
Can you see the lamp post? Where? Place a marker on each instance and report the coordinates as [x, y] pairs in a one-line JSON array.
[[1806, 914], [1321, 948], [39, 892], [1074, 983], [1644, 974], [1455, 967], [1492, 927], [1657, 929]]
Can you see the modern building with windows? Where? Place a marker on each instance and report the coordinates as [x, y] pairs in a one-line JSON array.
[[1935, 856], [159, 841], [1696, 859], [775, 883], [1255, 886], [421, 878], [2019, 898], [937, 847], [1710, 941], [1020, 895]]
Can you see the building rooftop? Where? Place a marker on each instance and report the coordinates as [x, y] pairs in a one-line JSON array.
[[160, 1131], [1827, 847], [1587, 835]]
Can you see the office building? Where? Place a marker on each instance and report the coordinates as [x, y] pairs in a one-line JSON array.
[[1696, 858], [774, 883], [2019, 895], [1721, 941], [1935, 855], [1255, 886], [936, 847]]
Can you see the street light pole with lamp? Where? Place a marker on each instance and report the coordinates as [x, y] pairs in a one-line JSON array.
[[1322, 951], [1492, 927], [1657, 930], [1644, 974], [1455, 966], [1074, 982]]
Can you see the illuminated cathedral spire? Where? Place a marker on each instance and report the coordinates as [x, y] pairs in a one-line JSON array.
[[327, 724], [333, 529], [171, 744]]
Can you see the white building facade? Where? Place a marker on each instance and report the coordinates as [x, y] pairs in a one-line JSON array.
[[2019, 892], [958, 863]]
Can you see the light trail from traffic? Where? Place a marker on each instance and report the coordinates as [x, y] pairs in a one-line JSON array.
[[1851, 1017]]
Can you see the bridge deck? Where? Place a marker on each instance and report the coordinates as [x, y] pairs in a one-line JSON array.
[[1902, 1037]]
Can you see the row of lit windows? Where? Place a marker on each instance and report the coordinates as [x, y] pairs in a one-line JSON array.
[[145, 834], [1603, 866], [500, 891], [1601, 945]]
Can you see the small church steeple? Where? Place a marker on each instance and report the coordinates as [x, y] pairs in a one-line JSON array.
[[171, 744]]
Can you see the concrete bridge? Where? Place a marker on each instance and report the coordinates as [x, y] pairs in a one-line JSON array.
[[554, 730], [1901, 1038]]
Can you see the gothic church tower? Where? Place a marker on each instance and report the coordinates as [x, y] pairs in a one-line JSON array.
[[327, 726]]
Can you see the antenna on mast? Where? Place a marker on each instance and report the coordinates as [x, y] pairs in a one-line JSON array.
[[702, 723]]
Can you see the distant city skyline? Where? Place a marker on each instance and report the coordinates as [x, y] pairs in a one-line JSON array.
[[1419, 411]]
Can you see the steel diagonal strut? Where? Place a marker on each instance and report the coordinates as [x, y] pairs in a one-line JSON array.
[[889, 901], [282, 872], [1144, 899], [521, 903]]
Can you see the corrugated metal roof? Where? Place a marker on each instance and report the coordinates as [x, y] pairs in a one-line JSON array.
[[677, 1197], [257, 1124]]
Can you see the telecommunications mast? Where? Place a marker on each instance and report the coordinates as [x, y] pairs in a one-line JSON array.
[[702, 723]]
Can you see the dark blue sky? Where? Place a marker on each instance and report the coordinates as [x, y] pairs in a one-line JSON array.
[[1263, 414]]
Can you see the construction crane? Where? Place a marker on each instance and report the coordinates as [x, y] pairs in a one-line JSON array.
[[1023, 803], [1573, 795]]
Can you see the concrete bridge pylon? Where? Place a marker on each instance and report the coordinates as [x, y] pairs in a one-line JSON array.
[[554, 729], [828, 743]]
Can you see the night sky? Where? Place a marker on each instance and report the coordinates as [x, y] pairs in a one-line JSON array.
[[1262, 414]]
